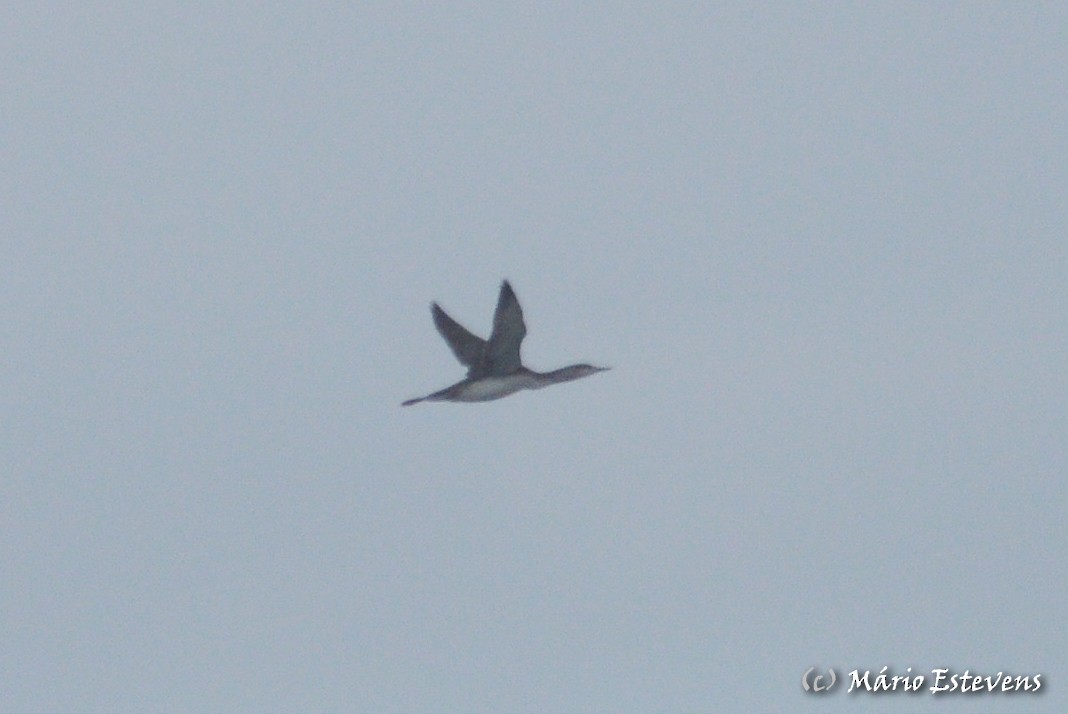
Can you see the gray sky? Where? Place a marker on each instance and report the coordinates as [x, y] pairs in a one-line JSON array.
[[822, 245]]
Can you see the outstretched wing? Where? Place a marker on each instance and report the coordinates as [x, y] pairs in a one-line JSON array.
[[467, 348], [502, 350]]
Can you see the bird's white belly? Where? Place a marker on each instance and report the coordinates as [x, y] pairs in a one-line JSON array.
[[489, 388]]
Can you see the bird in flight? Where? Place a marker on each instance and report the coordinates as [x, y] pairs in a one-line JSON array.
[[494, 369]]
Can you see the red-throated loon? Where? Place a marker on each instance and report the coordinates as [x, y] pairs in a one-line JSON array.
[[494, 368]]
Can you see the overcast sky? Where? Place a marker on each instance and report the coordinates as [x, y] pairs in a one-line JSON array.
[[824, 247]]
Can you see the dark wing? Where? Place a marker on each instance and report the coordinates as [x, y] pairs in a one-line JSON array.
[[502, 351], [467, 348]]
